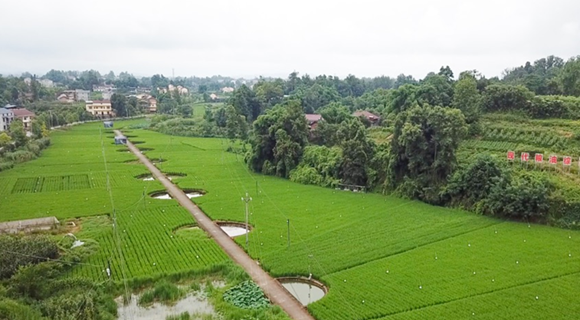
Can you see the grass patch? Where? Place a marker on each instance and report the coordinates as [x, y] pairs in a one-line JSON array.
[[163, 292]]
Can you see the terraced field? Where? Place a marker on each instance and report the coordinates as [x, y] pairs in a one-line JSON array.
[[382, 257]]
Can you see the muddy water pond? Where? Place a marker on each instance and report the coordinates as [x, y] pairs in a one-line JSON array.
[[193, 195], [161, 195], [233, 231], [191, 304], [304, 292]]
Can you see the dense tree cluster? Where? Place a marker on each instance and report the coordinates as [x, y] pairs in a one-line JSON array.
[[32, 285]]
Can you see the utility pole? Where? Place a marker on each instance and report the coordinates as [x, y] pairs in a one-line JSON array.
[[247, 200]]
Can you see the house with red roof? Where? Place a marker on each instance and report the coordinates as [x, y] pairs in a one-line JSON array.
[[26, 116], [312, 120], [371, 117]]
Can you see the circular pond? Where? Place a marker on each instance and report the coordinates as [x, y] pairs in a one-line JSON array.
[[193, 193], [145, 177], [305, 290], [174, 175], [233, 229], [157, 160], [162, 195]]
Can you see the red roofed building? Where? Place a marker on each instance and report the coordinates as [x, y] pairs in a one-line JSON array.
[[312, 120], [26, 116], [371, 117]]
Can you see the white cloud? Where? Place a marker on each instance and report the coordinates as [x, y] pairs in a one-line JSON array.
[[260, 37]]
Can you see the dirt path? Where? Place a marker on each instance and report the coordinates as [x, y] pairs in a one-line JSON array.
[[271, 287]]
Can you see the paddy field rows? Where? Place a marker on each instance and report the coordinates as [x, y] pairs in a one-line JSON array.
[[382, 257]]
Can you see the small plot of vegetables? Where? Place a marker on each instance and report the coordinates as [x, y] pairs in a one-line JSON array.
[[247, 295]]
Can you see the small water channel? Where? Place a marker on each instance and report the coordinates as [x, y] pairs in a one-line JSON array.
[[191, 304]]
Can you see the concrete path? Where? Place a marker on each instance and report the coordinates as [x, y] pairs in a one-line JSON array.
[[271, 287]]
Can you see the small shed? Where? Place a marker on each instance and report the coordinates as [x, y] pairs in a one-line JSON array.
[[120, 140], [30, 225], [108, 124]]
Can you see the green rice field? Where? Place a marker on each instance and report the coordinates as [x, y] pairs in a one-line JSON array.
[[381, 257]]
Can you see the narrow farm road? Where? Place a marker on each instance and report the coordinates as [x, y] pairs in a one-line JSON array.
[[271, 287]]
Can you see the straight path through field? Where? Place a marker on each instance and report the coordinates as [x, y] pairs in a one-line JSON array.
[[272, 288]]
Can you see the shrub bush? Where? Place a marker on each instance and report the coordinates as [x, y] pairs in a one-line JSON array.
[[20, 156]]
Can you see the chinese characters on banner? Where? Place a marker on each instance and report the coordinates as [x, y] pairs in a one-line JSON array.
[[511, 155], [539, 158], [525, 156], [567, 161]]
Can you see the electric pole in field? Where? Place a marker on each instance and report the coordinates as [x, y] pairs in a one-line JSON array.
[[247, 200]]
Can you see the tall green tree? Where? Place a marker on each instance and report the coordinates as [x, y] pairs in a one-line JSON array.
[[499, 97], [467, 98], [403, 98], [570, 77], [246, 103], [269, 93], [423, 148], [119, 104], [17, 132], [236, 125], [317, 96], [436, 90], [4, 139], [278, 138], [357, 152]]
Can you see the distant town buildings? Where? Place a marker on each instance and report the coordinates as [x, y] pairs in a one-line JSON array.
[[6, 117], [106, 90], [213, 96], [26, 116], [227, 89], [100, 108], [170, 88], [148, 100], [152, 105], [47, 83], [73, 95]]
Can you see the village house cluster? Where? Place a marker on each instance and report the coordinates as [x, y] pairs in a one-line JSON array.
[[9, 113]]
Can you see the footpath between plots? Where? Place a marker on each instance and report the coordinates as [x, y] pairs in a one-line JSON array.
[[271, 287]]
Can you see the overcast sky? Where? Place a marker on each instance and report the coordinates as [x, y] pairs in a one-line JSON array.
[[274, 38]]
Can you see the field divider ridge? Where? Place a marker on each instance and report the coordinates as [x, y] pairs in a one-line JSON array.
[[271, 287]]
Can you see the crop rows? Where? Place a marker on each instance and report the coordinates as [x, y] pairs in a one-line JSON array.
[[538, 138], [51, 184], [342, 236], [441, 263], [149, 245], [502, 146]]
